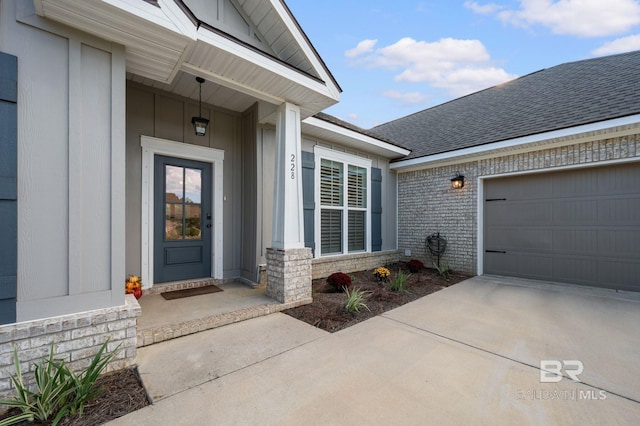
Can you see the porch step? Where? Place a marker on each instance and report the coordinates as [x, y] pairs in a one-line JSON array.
[[149, 333], [183, 285]]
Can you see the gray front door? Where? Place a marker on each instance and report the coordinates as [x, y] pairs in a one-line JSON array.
[[182, 219], [578, 226]]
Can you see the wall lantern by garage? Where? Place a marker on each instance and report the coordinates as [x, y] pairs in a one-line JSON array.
[[200, 123], [457, 182]]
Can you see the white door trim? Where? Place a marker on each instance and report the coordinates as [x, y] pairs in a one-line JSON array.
[[152, 146]]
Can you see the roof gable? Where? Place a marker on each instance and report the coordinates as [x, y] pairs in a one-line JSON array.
[[560, 97], [255, 50]]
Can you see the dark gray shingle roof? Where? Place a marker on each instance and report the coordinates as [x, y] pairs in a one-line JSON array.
[[560, 97]]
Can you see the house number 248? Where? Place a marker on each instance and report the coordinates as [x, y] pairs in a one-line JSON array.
[[293, 166]]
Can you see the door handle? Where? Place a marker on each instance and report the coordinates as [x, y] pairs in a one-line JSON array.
[[208, 225]]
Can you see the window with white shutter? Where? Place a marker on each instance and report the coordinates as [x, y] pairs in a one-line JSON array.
[[343, 217]]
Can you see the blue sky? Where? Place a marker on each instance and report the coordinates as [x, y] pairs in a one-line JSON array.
[[393, 58]]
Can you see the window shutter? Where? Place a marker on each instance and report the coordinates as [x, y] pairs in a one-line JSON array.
[[331, 181], [357, 187], [331, 225], [308, 199], [376, 209], [8, 187]]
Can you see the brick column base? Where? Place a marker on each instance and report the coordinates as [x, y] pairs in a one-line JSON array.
[[289, 275]]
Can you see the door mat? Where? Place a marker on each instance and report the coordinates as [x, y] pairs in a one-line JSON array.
[[188, 292]]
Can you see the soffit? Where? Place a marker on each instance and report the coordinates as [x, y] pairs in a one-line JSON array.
[[163, 43]]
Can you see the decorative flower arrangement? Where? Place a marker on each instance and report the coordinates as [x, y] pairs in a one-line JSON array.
[[415, 265], [339, 281], [382, 274], [133, 286]]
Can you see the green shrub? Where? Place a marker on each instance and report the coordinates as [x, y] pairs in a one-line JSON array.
[[399, 281], [59, 391], [443, 270], [355, 299]]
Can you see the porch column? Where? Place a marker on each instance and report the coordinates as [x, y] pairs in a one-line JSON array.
[[288, 260]]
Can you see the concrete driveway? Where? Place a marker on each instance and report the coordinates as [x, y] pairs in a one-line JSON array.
[[469, 354]]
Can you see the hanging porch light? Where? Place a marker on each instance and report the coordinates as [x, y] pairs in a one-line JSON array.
[[200, 123]]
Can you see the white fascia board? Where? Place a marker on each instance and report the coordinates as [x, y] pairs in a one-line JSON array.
[[179, 18], [476, 151], [342, 131], [265, 62], [302, 42], [147, 12]]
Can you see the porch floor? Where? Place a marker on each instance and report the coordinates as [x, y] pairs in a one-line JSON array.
[[168, 319]]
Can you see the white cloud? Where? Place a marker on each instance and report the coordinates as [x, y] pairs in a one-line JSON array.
[[458, 66], [353, 117], [405, 97], [620, 45], [365, 46], [482, 9], [584, 18]]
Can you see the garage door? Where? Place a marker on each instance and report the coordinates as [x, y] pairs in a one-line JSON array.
[[579, 226]]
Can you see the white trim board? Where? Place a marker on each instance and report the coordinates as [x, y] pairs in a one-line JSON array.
[[346, 159], [154, 146]]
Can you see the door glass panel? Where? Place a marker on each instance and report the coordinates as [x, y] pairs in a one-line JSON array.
[[173, 222], [183, 189], [192, 221], [193, 185], [174, 185]]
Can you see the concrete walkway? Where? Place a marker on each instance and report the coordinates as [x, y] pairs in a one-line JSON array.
[[469, 354]]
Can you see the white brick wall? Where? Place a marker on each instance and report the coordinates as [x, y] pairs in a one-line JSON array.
[[325, 266], [76, 338], [427, 203]]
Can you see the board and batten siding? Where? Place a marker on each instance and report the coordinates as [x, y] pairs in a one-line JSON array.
[[155, 113], [71, 98]]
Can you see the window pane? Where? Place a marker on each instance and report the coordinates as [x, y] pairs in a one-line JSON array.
[[357, 231], [174, 183], [193, 185], [357, 186], [331, 231], [192, 221], [173, 221], [331, 183]]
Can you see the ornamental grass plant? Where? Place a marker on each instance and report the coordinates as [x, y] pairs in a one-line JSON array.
[[59, 391], [356, 299]]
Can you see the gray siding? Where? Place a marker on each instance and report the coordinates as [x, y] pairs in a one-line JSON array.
[[154, 113], [249, 267], [70, 165]]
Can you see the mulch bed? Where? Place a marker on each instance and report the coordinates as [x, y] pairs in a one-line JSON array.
[[328, 308], [124, 393]]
